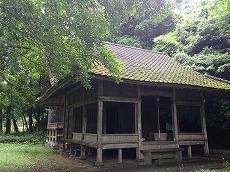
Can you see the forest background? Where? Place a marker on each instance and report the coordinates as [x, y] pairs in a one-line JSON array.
[[36, 36]]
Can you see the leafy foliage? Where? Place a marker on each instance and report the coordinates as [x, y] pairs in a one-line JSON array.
[[199, 40], [44, 34], [56, 38], [128, 40], [128, 13]]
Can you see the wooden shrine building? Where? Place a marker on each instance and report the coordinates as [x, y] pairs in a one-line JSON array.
[[156, 111]]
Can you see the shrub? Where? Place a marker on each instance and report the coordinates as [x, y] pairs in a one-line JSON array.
[[34, 138]]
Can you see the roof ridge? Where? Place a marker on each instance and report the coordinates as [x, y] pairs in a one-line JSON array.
[[136, 48]]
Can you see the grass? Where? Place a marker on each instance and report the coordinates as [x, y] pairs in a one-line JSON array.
[[20, 157], [25, 152], [16, 157], [30, 156], [220, 151], [221, 170]]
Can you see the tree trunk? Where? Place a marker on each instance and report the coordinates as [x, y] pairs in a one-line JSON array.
[[25, 122], [37, 117], [15, 126], [8, 122], [8, 125], [38, 111], [23, 125], [30, 121], [0, 120]]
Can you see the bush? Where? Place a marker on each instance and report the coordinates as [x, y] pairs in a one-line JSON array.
[[34, 138]]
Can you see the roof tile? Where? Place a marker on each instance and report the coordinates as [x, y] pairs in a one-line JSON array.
[[148, 66]]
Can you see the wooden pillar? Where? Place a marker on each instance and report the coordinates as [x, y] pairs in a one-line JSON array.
[[119, 155], [56, 136], [71, 149], [63, 146], [99, 122], [99, 131], [174, 113], [84, 126], [104, 118], [203, 125], [139, 155], [189, 151], [63, 130]]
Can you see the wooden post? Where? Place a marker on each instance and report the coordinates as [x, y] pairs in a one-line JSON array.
[[99, 122], [84, 126], [99, 131], [71, 149], [139, 155], [104, 118], [174, 113], [63, 146], [189, 151], [203, 125], [119, 155]]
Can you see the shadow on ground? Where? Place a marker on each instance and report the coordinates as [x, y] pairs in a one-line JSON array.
[[109, 165]]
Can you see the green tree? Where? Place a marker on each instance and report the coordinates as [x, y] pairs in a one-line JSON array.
[[199, 40], [62, 37], [124, 12]]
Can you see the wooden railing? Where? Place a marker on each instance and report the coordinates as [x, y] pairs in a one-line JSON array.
[[55, 125], [119, 138], [90, 138], [190, 136], [107, 138], [77, 137]]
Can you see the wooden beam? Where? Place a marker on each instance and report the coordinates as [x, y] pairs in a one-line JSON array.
[[188, 103], [203, 125], [156, 93], [119, 99], [155, 84]]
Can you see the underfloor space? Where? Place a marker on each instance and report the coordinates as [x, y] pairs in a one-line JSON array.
[[129, 164], [110, 156], [197, 150]]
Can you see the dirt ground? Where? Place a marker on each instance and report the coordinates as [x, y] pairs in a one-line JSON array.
[[65, 163]]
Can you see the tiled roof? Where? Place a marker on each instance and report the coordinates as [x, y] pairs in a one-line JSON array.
[[148, 66]]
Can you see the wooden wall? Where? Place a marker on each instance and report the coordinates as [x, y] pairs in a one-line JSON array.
[[78, 114], [119, 90], [79, 96], [188, 95]]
